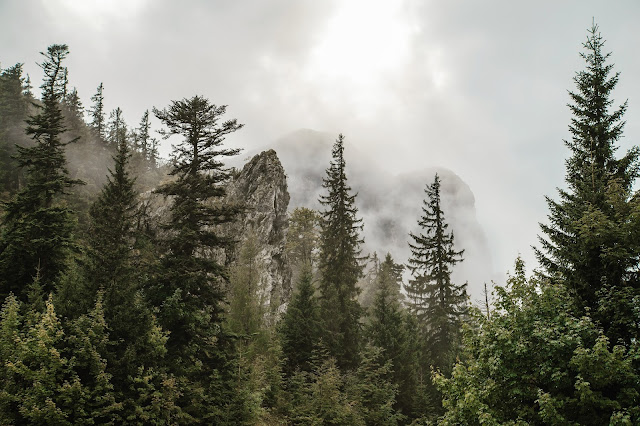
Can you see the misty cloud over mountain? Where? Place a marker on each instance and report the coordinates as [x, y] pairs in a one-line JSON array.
[[390, 205]]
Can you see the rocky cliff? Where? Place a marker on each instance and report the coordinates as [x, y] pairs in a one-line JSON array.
[[260, 188]]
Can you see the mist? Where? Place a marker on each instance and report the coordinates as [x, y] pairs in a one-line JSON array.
[[415, 86]]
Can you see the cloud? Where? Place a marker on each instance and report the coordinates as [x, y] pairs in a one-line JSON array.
[[475, 87]]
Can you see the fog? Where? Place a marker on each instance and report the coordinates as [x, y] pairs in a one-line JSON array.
[[478, 89], [389, 204]]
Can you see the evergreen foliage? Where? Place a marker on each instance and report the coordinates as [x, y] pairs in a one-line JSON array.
[[300, 327], [591, 242], [189, 287], [147, 145], [537, 361], [37, 228], [439, 304], [390, 328], [340, 264], [96, 113], [13, 112], [137, 317]]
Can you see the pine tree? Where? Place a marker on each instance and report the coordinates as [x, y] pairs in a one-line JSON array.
[[147, 145], [189, 288], [246, 304], [591, 242], [438, 303], [37, 228], [300, 327], [113, 224], [374, 389], [97, 113], [13, 111], [116, 129], [51, 376], [389, 328], [340, 264], [113, 272], [75, 109]]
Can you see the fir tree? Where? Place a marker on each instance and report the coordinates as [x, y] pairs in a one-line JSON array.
[[189, 288], [300, 327], [37, 228], [147, 145], [389, 328], [374, 390], [75, 109], [13, 111], [438, 303], [591, 242], [340, 264], [112, 271], [97, 113], [113, 224], [116, 129]]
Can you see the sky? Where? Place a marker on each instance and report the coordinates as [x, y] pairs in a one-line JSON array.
[[479, 88]]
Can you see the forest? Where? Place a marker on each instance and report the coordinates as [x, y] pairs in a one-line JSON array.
[[114, 312]]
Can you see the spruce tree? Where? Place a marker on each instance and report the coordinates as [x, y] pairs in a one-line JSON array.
[[97, 113], [189, 288], [591, 242], [147, 145], [13, 111], [389, 328], [113, 223], [438, 303], [112, 272], [116, 128], [37, 227], [300, 326], [340, 264]]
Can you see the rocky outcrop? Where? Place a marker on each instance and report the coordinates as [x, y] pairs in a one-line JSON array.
[[261, 187]]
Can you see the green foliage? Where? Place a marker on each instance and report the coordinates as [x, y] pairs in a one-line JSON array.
[[535, 361], [340, 264], [112, 230], [302, 239], [52, 376], [439, 304], [591, 241], [374, 390], [37, 228], [390, 328], [97, 113], [319, 397], [246, 304], [300, 327], [188, 289], [13, 112]]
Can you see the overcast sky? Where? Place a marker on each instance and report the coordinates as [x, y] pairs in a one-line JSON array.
[[476, 87]]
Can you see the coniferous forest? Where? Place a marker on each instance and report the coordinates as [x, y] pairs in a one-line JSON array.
[[117, 311]]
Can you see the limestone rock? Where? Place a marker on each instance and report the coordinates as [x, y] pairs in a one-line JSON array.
[[261, 186]]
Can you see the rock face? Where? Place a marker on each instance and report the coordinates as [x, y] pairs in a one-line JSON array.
[[261, 186]]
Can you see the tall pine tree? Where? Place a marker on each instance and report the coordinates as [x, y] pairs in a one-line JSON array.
[[340, 264], [300, 326], [591, 242], [189, 289], [438, 303], [97, 113], [390, 329], [38, 228]]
